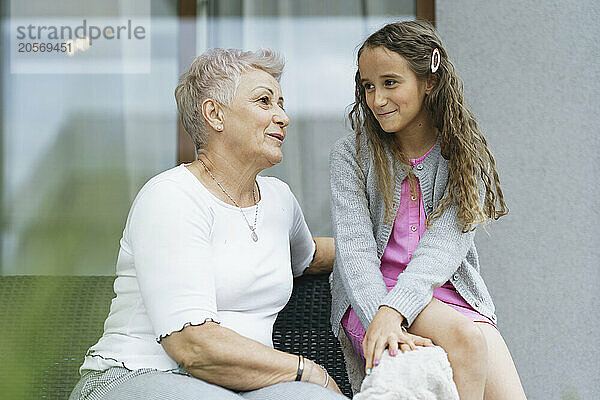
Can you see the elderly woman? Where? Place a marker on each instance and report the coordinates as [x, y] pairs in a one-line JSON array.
[[208, 255]]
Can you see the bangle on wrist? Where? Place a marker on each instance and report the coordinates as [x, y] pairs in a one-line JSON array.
[[300, 368], [326, 375], [312, 365]]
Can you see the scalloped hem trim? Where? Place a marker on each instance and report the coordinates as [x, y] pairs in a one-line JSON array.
[[161, 337], [88, 354]]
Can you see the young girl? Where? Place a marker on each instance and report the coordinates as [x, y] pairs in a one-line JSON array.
[[408, 190]]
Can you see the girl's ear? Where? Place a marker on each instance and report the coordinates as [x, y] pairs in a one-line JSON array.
[[430, 83], [212, 112]]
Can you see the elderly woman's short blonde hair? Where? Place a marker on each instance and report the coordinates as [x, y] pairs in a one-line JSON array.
[[216, 74]]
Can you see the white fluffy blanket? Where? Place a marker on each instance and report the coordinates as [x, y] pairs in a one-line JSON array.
[[422, 374]]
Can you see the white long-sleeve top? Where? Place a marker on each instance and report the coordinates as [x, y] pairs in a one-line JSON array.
[[187, 257]]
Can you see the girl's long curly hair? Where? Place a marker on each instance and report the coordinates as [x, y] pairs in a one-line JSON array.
[[461, 142]]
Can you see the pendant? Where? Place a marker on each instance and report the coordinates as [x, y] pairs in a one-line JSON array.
[[254, 236]]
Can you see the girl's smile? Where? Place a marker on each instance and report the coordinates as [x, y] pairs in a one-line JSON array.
[[386, 114]]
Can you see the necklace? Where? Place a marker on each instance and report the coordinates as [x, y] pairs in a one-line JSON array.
[[253, 234]]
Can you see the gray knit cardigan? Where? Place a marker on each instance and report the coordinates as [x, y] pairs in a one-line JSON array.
[[443, 253]]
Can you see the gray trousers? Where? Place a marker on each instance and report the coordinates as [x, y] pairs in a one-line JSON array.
[[147, 384]]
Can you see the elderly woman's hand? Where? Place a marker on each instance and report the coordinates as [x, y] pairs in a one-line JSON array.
[[333, 386], [314, 373], [386, 331]]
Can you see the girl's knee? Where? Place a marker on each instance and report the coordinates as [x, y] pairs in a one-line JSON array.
[[470, 341]]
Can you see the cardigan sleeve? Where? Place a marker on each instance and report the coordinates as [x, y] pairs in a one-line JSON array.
[[356, 260], [437, 256]]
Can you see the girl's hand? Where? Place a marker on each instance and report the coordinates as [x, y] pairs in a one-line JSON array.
[[386, 331]]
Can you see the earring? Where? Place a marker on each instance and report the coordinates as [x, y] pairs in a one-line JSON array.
[[219, 128]]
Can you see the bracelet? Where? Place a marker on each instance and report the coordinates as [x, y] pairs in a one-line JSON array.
[[312, 365], [300, 367], [326, 375]]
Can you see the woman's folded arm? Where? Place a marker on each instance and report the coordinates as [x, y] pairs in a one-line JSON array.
[[222, 357]]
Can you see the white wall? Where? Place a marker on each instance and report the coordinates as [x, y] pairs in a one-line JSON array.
[[531, 74]]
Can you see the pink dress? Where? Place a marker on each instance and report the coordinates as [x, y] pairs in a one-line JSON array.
[[408, 229]]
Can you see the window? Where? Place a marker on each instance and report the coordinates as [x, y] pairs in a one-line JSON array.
[[77, 147]]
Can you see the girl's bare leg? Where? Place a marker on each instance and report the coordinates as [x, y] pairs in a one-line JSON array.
[[502, 378], [464, 342]]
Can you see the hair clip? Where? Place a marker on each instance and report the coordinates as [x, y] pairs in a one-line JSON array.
[[436, 59]]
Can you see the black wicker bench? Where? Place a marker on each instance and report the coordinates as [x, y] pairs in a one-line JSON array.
[[47, 324]]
